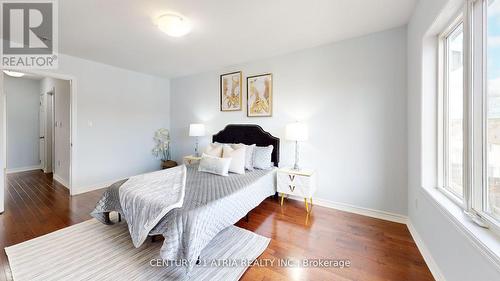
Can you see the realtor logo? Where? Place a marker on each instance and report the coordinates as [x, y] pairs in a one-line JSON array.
[[29, 32]]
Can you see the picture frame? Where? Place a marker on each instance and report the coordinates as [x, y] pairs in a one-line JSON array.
[[260, 95], [231, 89]]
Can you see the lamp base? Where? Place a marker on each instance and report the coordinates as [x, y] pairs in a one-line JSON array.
[[196, 153], [296, 164]]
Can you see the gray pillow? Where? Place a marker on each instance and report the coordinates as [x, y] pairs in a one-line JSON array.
[[249, 157], [262, 157]]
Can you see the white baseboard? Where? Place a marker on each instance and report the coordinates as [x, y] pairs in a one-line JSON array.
[[102, 185], [378, 214], [95, 186], [433, 267], [23, 169], [60, 180]]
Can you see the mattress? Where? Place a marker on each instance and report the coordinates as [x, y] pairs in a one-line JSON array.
[[211, 204]]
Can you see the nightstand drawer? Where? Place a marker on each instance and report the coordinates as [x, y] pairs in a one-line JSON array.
[[294, 180], [297, 190]]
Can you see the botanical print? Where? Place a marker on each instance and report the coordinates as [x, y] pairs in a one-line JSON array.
[[260, 95], [230, 91]]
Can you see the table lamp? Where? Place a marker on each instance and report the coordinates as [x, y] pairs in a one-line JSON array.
[[196, 130], [297, 132]]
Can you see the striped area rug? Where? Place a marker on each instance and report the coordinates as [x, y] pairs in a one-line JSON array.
[[93, 251]]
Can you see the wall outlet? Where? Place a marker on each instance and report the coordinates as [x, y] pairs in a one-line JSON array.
[[58, 163], [416, 203]]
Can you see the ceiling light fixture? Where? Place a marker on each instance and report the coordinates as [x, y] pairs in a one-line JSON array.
[[13, 73], [174, 25]]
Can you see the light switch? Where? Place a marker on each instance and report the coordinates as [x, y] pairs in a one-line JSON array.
[[90, 123]]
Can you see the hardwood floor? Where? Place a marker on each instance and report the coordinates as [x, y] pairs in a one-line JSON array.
[[377, 250]]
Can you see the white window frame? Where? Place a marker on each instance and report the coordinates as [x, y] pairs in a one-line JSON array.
[[474, 202], [443, 113], [478, 195]]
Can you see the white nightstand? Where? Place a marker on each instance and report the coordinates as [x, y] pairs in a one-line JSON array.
[[299, 183], [190, 159]]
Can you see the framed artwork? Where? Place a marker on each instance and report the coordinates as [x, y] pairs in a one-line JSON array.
[[230, 91], [260, 95]]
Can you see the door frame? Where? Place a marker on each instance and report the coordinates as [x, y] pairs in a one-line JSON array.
[[73, 129], [50, 101]]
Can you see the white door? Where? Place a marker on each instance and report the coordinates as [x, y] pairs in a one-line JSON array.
[[41, 117]]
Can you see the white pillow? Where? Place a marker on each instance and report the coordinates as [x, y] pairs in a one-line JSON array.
[[262, 157], [248, 154], [214, 149], [238, 158], [214, 165]]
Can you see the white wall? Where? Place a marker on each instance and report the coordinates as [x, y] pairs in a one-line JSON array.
[[456, 257], [22, 96], [352, 94], [117, 112], [62, 104]]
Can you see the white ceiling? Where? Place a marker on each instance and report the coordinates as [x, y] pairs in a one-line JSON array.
[[225, 32]]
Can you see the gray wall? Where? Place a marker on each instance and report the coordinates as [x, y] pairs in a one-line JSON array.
[[22, 97], [352, 95]]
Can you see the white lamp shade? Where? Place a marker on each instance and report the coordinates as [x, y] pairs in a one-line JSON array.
[[297, 131], [196, 130]]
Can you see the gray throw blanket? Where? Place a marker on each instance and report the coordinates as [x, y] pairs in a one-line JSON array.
[[146, 199]]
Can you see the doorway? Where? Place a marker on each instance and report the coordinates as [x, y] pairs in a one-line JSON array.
[[46, 136], [38, 138]]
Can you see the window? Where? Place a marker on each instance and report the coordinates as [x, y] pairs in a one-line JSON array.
[[469, 109], [453, 96], [492, 139]]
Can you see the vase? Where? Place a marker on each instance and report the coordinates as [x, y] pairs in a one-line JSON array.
[[168, 164]]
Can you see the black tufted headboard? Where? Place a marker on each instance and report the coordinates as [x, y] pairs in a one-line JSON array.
[[249, 134]]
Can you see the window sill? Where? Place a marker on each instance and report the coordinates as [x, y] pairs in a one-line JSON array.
[[485, 240]]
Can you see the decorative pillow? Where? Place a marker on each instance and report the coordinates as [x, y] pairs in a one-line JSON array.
[[248, 154], [214, 149], [262, 157], [238, 158], [214, 165]]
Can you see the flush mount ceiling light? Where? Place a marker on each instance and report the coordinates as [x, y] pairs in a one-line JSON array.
[[13, 73], [174, 25]]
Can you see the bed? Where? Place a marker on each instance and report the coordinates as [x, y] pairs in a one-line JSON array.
[[211, 202]]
